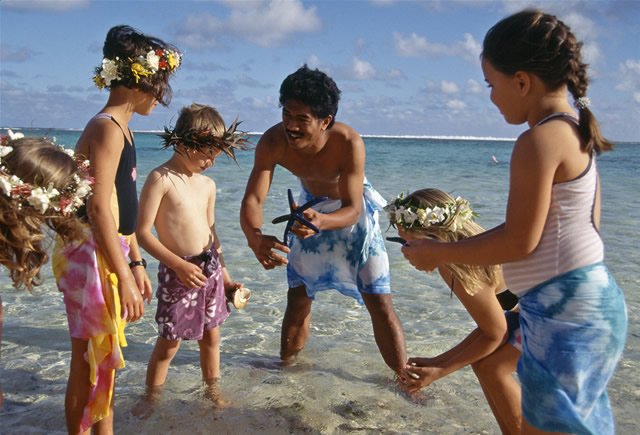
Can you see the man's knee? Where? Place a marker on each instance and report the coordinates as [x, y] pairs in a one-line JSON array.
[[298, 300], [379, 305]]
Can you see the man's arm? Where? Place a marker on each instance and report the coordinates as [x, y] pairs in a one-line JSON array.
[[252, 205]]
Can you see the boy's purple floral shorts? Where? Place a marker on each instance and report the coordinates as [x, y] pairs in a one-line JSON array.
[[185, 313]]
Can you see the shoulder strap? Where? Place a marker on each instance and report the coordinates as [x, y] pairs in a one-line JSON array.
[[103, 115], [570, 116]]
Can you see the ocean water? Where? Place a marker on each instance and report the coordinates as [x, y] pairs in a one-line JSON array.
[[340, 383]]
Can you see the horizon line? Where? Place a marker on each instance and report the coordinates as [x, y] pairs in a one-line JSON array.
[[259, 133]]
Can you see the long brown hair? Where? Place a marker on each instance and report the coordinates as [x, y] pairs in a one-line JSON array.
[[539, 43], [25, 232]]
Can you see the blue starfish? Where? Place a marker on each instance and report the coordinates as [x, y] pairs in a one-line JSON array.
[[296, 215]]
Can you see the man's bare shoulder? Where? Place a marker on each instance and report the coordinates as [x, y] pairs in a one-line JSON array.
[[273, 137], [346, 135]]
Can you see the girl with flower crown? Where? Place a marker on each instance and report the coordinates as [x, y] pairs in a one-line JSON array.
[[102, 289], [492, 348], [41, 187], [572, 313]]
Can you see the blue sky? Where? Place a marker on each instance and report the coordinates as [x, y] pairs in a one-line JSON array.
[[404, 67]]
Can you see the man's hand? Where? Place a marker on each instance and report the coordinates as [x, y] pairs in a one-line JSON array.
[[303, 231], [262, 247]]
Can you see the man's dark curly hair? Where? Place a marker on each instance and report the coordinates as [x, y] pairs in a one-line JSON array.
[[313, 88]]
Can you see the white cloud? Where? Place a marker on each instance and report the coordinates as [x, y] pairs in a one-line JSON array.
[[270, 24], [313, 61], [419, 46], [394, 74], [19, 54], [362, 70], [48, 5], [456, 105], [449, 87], [473, 87], [629, 78], [267, 24], [206, 36]]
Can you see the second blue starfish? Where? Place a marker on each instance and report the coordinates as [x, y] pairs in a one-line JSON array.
[[296, 215]]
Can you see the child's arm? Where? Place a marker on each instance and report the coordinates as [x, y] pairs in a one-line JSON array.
[[105, 149], [491, 333], [533, 165], [139, 272], [151, 196]]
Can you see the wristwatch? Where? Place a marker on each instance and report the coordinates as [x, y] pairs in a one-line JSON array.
[[142, 263]]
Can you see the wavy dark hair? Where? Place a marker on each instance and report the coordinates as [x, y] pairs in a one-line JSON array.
[[26, 233], [313, 88], [539, 43], [126, 42]]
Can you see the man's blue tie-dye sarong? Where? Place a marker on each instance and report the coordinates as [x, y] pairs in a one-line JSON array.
[[350, 260]]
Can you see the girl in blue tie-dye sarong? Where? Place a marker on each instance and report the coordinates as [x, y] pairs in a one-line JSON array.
[[572, 314]]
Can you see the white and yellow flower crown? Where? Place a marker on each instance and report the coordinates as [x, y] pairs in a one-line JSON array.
[[141, 66], [41, 199], [409, 214]]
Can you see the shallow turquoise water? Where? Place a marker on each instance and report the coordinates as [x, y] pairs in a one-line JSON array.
[[341, 384]]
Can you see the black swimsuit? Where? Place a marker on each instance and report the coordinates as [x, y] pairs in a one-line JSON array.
[[125, 182], [508, 301]]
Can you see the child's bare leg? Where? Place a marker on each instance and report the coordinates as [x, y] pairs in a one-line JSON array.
[[495, 373], [210, 365], [295, 324], [77, 394], [163, 353]]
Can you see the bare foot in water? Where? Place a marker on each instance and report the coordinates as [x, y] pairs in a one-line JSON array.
[[145, 407], [212, 392]]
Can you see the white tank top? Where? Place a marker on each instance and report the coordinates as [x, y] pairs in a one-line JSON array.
[[570, 239]]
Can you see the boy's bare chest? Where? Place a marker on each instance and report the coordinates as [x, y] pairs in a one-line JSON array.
[[187, 198]]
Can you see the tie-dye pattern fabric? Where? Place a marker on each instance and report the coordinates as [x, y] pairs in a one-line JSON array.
[[93, 306], [350, 260], [185, 313], [573, 334]]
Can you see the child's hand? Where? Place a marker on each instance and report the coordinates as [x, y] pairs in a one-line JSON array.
[[131, 302], [190, 274], [143, 282], [232, 285], [420, 254], [416, 377]]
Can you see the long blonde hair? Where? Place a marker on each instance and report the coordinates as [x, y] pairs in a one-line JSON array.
[[26, 232], [472, 278]]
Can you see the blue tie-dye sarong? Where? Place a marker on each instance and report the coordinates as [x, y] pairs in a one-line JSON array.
[[573, 334], [350, 260]]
